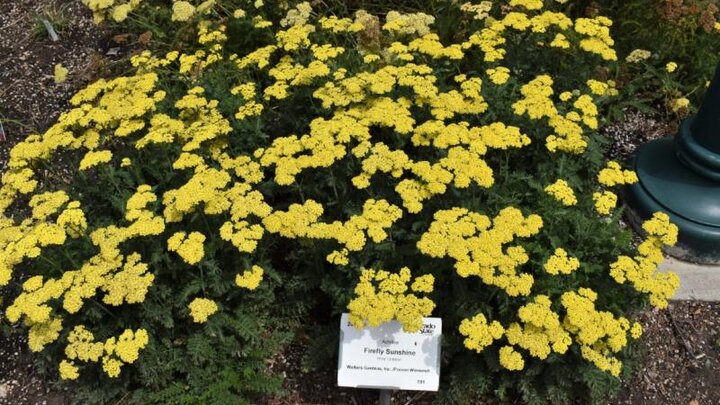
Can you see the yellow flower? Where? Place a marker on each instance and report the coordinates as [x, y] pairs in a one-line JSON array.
[[499, 75], [260, 22], [381, 297], [408, 24], [60, 74], [561, 191], [68, 370], [680, 103], [120, 13], [560, 41], [190, 249], [638, 55], [539, 330], [111, 366], [478, 333], [94, 158], [182, 10], [201, 308], [129, 344], [604, 202], [671, 66], [613, 175], [472, 239], [481, 11], [250, 279], [510, 359], [561, 263], [528, 4]]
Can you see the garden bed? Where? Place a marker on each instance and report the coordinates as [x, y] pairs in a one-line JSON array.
[[680, 360]]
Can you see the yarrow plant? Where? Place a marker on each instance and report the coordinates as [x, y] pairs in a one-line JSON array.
[[291, 169]]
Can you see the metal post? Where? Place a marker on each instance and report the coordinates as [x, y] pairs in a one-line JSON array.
[[385, 397], [681, 177]]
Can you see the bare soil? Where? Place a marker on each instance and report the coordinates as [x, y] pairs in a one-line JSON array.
[[30, 100]]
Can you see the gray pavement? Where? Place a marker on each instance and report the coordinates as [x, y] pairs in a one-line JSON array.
[[697, 281]]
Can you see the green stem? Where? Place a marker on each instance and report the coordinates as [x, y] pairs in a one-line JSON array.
[[103, 308], [52, 263], [111, 177]]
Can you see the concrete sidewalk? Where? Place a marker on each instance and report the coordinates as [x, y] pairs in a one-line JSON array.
[[697, 282]]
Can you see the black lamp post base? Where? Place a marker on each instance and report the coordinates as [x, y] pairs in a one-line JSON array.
[[692, 201]]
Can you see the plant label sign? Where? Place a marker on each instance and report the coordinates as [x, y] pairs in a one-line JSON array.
[[386, 357]]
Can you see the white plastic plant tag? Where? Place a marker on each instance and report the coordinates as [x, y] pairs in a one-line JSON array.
[[388, 358]]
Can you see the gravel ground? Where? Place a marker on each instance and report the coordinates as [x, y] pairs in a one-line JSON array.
[[635, 129], [682, 362], [19, 382], [30, 100]]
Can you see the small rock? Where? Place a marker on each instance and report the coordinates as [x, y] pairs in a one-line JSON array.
[[3, 390]]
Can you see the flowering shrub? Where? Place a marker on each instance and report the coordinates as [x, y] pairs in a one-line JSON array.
[[671, 49], [284, 158]]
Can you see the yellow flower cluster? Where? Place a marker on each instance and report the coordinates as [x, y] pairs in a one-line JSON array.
[[480, 334], [561, 191], [498, 75], [480, 11], [381, 297], [298, 15], [104, 271], [408, 24], [295, 37], [301, 221], [599, 88], [598, 39], [537, 104], [510, 359], [250, 279], [129, 285], [641, 270], [201, 309], [614, 175], [340, 25], [124, 350], [598, 333], [561, 263], [114, 352], [182, 10], [680, 104], [478, 245], [528, 4], [638, 55], [605, 202], [68, 370], [541, 331], [116, 9], [189, 247], [60, 73], [560, 41]]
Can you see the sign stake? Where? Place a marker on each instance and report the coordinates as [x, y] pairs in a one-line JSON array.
[[385, 397]]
